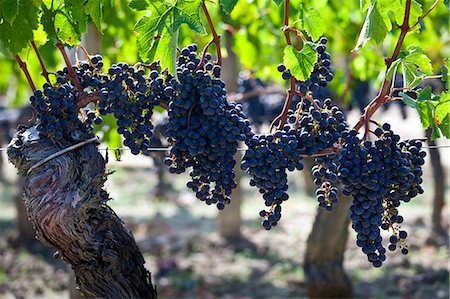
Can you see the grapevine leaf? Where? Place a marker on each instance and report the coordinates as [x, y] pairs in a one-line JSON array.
[[77, 15], [278, 2], [158, 31], [445, 69], [364, 5], [393, 69], [58, 25], [300, 63], [373, 28], [417, 57], [424, 107], [9, 10], [17, 35], [411, 76], [40, 36], [378, 19], [397, 8], [228, 5], [442, 107], [94, 8], [388, 7], [408, 100], [312, 22], [138, 4], [444, 126], [434, 112], [67, 31]]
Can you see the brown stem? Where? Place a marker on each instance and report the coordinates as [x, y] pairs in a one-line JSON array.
[[44, 69], [425, 14], [24, 68], [205, 51], [86, 53], [380, 99], [216, 37], [286, 22], [287, 103], [72, 74]]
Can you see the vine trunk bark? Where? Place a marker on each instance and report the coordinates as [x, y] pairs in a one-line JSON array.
[[67, 205], [323, 261]]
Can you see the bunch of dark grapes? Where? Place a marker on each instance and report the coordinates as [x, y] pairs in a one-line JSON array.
[[130, 96], [57, 115], [378, 175], [321, 73], [313, 127], [204, 129], [266, 160]]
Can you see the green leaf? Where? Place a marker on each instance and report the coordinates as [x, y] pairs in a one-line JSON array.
[[300, 63], [77, 15], [443, 106], [411, 76], [278, 2], [373, 28], [40, 36], [9, 10], [444, 126], [379, 18], [364, 5], [390, 7], [312, 22], [447, 4], [228, 5], [392, 69], [425, 108], [416, 56], [16, 36], [94, 8], [445, 69], [408, 100], [138, 4], [158, 32], [67, 31]]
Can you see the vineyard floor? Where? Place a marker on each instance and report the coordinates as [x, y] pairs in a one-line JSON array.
[[178, 237]]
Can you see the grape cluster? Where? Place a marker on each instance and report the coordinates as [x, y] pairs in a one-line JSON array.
[[266, 160], [130, 96], [322, 128], [378, 175], [321, 73], [56, 113], [311, 128], [204, 129]]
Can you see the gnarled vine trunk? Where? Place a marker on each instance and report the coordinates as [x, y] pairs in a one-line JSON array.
[[323, 262], [66, 203]]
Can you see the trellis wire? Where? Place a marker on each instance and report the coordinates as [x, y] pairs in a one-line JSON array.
[[163, 149]]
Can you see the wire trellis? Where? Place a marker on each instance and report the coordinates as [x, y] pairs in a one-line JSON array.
[[164, 149]]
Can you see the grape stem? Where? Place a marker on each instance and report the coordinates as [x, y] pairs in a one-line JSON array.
[[216, 37], [204, 52], [380, 99], [72, 74], [86, 53], [41, 62], [24, 68], [287, 104]]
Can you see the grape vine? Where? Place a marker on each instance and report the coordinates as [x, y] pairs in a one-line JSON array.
[[204, 129]]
